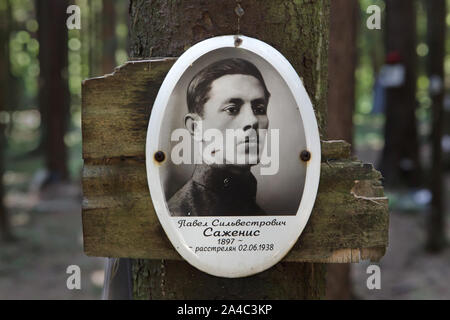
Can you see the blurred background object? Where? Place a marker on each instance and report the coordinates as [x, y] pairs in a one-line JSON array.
[[388, 96], [42, 64], [344, 17]]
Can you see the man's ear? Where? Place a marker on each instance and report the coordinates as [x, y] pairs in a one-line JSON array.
[[191, 121]]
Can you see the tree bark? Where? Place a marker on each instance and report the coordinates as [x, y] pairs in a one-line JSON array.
[[400, 159], [299, 30], [436, 12], [341, 101], [53, 86]]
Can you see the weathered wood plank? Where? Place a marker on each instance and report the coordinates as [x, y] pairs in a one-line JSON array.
[[130, 228], [124, 224], [335, 149], [116, 108], [348, 223]]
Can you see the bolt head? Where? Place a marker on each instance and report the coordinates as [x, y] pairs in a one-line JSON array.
[[239, 11], [159, 156], [305, 155]]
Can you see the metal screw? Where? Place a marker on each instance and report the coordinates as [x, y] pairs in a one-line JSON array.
[[159, 156], [305, 155]]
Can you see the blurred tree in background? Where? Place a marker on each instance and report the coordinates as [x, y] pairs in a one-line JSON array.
[[436, 13], [108, 36], [341, 101], [400, 160], [42, 64], [54, 97], [4, 81], [341, 69]]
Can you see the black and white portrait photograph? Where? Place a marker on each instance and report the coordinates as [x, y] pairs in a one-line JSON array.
[[232, 133]]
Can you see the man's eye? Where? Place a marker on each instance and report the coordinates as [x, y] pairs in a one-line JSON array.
[[232, 109], [259, 110]]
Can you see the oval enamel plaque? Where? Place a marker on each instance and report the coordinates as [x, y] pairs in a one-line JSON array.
[[233, 156]]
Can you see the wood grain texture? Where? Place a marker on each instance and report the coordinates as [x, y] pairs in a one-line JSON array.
[[349, 221], [116, 109]]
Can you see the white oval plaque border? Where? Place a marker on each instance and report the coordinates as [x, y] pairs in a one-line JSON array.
[[234, 265]]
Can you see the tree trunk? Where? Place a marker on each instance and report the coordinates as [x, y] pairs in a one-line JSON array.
[[341, 101], [53, 86], [297, 30], [109, 36], [341, 69], [400, 159], [436, 12], [5, 232]]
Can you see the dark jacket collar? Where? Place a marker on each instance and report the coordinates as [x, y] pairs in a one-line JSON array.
[[223, 180]]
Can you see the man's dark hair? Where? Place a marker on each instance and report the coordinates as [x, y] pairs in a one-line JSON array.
[[200, 85]]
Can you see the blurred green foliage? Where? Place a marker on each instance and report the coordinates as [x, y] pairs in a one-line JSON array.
[[22, 119], [371, 53]]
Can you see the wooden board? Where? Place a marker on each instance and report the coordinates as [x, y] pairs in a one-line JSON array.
[[349, 221]]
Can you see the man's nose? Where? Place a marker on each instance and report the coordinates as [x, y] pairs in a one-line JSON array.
[[248, 118]]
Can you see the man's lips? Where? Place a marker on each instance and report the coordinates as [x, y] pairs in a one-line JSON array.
[[248, 140]]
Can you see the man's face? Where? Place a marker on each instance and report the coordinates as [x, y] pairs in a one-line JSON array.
[[237, 102]]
